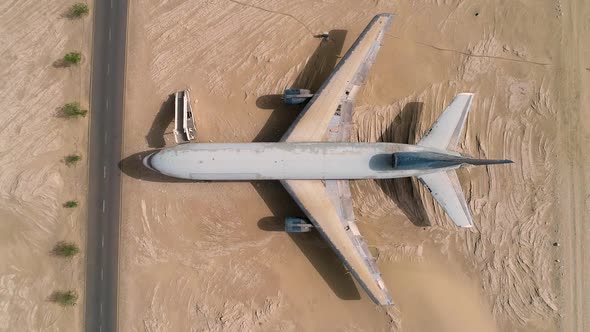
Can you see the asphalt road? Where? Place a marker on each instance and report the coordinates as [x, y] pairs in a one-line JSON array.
[[106, 111]]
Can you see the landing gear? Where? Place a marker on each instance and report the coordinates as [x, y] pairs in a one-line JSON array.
[[296, 96], [297, 225]]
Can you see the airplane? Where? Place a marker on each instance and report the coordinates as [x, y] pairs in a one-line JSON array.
[[315, 160]]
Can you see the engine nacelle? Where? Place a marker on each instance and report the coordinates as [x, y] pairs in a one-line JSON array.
[[297, 225], [296, 96]]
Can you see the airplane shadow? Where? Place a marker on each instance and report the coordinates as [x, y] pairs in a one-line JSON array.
[[404, 191], [133, 166]]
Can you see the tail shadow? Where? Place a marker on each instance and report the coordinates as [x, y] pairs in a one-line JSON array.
[[404, 191], [313, 75]]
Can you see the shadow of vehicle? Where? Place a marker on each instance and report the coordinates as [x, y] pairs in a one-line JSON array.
[[316, 71], [404, 191], [165, 116]]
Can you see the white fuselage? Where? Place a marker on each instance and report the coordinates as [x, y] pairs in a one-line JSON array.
[[282, 161]]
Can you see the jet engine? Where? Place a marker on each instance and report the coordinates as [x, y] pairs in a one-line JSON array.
[[297, 225], [296, 96]]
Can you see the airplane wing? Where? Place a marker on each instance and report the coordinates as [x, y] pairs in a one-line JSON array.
[[334, 219], [446, 190], [341, 86]]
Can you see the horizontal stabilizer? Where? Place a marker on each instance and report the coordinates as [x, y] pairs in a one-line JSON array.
[[444, 133], [446, 190]]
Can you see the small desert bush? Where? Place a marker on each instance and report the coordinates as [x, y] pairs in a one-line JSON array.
[[72, 159], [71, 204], [65, 298], [66, 249], [72, 58], [78, 10], [73, 110]]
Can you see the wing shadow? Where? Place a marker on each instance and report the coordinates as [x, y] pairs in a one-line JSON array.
[[404, 191], [316, 71]]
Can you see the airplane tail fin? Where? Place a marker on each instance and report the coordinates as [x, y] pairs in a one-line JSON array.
[[434, 160], [480, 162]]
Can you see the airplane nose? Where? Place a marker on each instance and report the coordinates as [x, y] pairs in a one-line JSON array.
[[147, 162]]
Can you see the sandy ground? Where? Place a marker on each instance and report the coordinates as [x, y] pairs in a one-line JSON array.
[[211, 256], [34, 181]]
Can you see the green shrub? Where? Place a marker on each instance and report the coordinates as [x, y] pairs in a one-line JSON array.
[[72, 58], [78, 10], [71, 204], [73, 110], [65, 298], [72, 159], [66, 249]]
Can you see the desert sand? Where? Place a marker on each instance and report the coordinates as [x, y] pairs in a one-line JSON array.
[[212, 257], [34, 181]]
